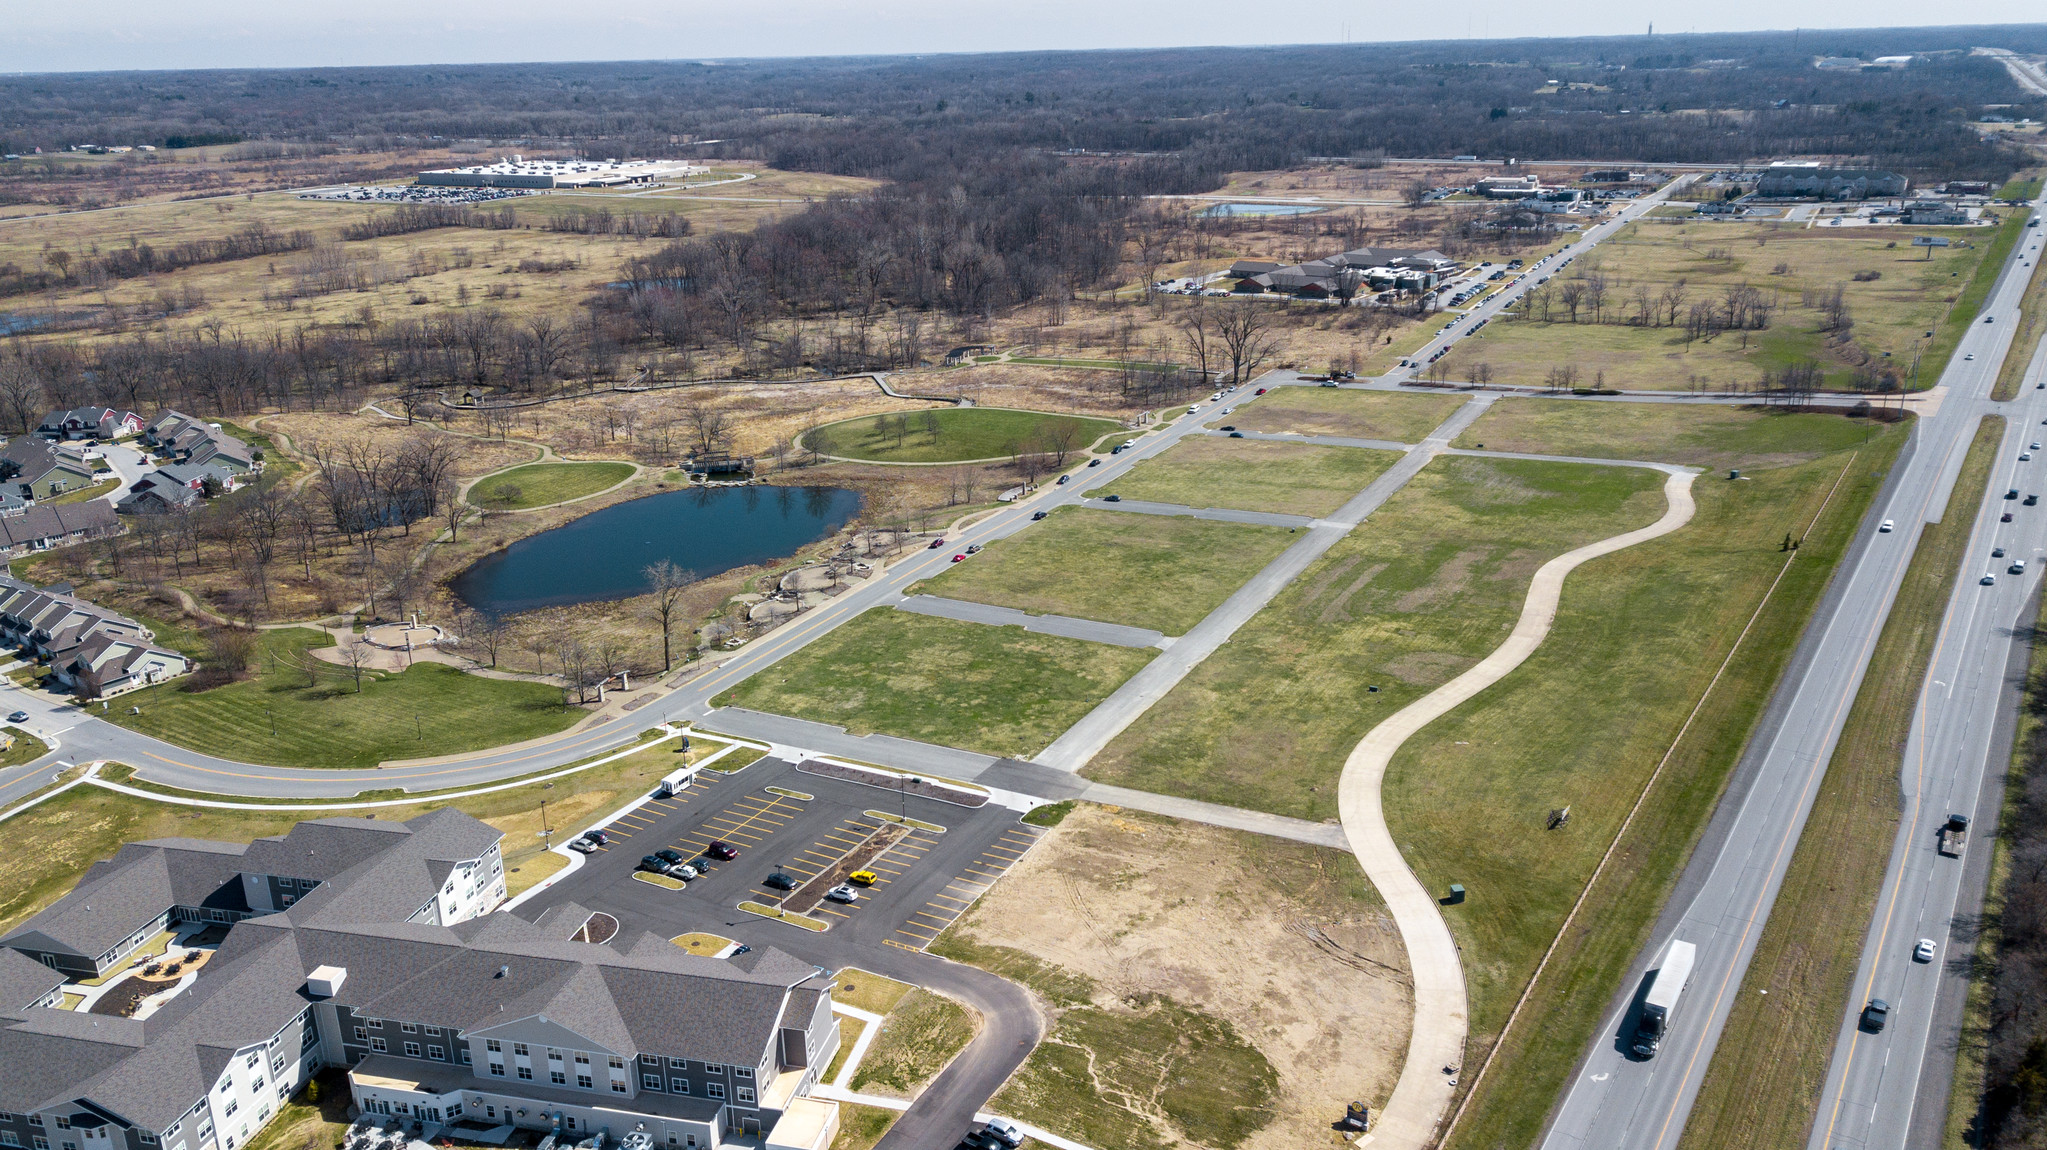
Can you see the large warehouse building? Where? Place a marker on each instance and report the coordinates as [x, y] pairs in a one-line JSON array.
[[519, 172]]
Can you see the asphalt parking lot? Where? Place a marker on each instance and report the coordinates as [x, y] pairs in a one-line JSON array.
[[804, 825]]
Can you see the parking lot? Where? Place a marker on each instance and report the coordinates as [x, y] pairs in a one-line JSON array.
[[815, 830]]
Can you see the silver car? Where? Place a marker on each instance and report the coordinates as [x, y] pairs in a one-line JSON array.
[[843, 892]]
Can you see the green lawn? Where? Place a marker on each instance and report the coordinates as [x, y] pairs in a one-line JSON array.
[[541, 484], [1397, 416], [1432, 582], [1892, 313], [1138, 570], [994, 689], [1254, 475], [1705, 436], [917, 1039], [1763, 1085], [26, 749], [950, 434], [322, 721]]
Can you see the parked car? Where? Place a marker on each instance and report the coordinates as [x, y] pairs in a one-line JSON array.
[[982, 1140], [598, 835], [582, 846], [1924, 951], [669, 855], [721, 850], [863, 878], [683, 871], [780, 881], [843, 892], [654, 864], [1006, 1130], [1037, 515]]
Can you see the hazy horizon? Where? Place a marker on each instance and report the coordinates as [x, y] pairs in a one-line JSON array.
[[123, 35]]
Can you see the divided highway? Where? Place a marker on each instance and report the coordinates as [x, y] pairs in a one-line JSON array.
[[1617, 1102]]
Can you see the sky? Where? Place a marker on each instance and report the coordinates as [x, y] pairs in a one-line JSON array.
[[95, 35]]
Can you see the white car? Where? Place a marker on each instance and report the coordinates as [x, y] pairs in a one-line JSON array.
[[1988, 581], [1924, 951], [1886, 526], [1969, 355], [843, 892]]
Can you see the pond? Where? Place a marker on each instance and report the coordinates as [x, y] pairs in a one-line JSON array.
[[604, 555], [1262, 210]]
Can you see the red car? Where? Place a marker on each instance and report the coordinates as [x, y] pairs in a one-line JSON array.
[[1261, 391], [957, 558], [722, 850], [937, 543]]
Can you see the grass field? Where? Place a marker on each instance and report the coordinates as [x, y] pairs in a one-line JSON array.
[[1583, 723], [1891, 313], [541, 484], [1138, 570], [321, 720], [26, 749], [917, 1039], [1764, 1082], [951, 434], [2030, 322], [995, 689], [1254, 475], [1396, 416], [860, 1127], [1706, 436]]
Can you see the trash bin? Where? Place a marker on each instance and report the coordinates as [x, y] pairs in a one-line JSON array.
[[1456, 893]]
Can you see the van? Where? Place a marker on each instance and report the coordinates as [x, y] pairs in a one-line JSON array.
[[675, 782]]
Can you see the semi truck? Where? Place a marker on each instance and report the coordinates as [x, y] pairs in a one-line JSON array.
[[1954, 835], [1661, 1001]]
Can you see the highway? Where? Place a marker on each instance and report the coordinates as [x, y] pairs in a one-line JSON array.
[[1617, 1102], [1884, 1087]]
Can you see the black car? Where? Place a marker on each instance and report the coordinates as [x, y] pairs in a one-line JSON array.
[[669, 855], [1037, 515], [982, 1140], [654, 863], [1875, 1015], [598, 837], [1236, 435], [1228, 427], [780, 881], [1112, 499], [2030, 500], [2012, 494], [721, 850], [1094, 463], [2004, 518]]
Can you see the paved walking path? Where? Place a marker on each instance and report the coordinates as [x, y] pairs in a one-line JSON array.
[[1085, 739], [1220, 514], [1422, 1096], [1065, 626]]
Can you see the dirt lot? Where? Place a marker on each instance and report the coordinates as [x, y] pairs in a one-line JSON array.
[[1286, 943]]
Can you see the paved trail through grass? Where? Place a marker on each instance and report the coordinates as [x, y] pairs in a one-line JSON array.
[[1441, 1011]]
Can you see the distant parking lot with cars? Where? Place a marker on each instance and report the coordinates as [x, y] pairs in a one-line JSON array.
[[819, 839]]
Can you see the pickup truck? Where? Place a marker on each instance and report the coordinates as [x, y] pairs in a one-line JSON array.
[[1954, 835]]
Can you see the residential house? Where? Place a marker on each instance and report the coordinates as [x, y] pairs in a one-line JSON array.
[[43, 527], [39, 469], [89, 423], [146, 498], [378, 946], [94, 652], [104, 665], [1813, 180], [188, 440]]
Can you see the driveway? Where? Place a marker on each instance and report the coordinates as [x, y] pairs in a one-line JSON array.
[[127, 463]]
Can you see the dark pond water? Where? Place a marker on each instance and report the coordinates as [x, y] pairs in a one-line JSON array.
[[604, 554]]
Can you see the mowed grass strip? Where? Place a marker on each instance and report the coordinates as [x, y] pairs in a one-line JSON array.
[[1149, 571], [1253, 475], [952, 434], [1583, 724], [1420, 592], [1000, 690], [1764, 1082], [917, 1038], [1390, 415], [541, 484], [2031, 321], [1714, 436], [321, 720]]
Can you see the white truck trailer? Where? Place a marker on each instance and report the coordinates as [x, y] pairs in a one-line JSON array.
[[1661, 1001]]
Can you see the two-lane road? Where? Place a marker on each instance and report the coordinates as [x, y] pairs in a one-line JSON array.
[[1617, 1102]]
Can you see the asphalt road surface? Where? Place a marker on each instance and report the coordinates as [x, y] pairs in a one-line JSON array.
[[1617, 1102]]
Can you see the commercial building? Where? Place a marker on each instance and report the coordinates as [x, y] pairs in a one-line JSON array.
[[519, 172], [1810, 179], [378, 946], [1345, 273]]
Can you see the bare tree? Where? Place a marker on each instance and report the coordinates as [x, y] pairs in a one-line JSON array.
[[486, 631], [709, 428], [1247, 336], [356, 655], [668, 583]]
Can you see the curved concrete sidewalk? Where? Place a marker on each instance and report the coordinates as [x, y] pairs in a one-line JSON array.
[[1423, 1093]]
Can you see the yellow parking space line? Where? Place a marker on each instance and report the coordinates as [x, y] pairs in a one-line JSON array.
[[829, 911], [990, 877], [878, 866], [996, 846], [951, 897], [919, 935], [900, 946], [621, 834], [943, 921]]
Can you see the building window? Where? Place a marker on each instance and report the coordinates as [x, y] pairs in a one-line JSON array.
[[583, 1081], [678, 1085], [495, 1047], [408, 1028], [63, 1122], [742, 1073], [650, 1081], [678, 1064], [618, 1086], [714, 1090], [746, 1094], [433, 1031], [42, 1143], [498, 1068], [35, 1120], [412, 1050], [557, 1077], [713, 1069], [526, 1072], [519, 1048], [228, 1111], [465, 1055], [437, 1053], [361, 1034], [9, 1138], [377, 1044], [650, 1059], [254, 1059]]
